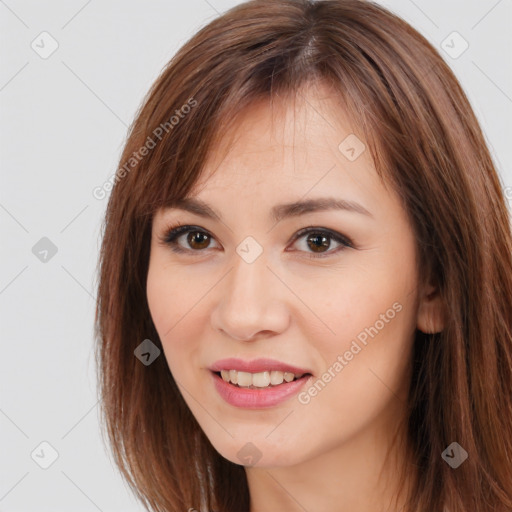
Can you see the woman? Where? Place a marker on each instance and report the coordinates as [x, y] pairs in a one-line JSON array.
[[305, 280]]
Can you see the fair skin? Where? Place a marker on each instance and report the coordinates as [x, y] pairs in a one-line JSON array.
[[209, 303]]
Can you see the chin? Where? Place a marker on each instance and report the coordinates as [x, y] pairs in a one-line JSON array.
[[256, 451]]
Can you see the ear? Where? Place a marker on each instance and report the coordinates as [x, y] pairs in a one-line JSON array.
[[430, 317]]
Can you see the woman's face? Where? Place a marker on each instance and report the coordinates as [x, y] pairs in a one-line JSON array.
[[247, 287]]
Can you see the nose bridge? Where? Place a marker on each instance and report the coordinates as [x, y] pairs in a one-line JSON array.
[[249, 280], [249, 301]]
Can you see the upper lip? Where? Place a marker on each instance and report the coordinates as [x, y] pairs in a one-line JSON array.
[[256, 366]]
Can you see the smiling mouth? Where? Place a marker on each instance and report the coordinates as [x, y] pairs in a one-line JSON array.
[[260, 380]]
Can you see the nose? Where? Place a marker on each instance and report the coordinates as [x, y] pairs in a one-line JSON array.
[[251, 302]]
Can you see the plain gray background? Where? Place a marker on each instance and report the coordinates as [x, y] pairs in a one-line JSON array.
[[63, 123]]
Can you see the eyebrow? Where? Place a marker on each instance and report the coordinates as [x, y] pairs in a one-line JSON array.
[[278, 212]]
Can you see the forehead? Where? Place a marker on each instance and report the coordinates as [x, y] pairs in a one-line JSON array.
[[289, 147]]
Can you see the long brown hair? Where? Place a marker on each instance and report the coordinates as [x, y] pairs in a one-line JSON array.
[[406, 103]]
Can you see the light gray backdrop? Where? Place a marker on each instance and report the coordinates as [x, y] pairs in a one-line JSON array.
[[72, 75]]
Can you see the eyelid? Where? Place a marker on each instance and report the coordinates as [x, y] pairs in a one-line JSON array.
[[173, 232], [339, 237]]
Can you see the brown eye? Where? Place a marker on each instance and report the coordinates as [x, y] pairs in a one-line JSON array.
[[317, 242], [198, 239]]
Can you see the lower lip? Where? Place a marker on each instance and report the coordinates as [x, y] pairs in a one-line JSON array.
[[257, 398]]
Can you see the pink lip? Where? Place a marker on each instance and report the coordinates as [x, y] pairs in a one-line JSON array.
[[257, 398], [255, 366]]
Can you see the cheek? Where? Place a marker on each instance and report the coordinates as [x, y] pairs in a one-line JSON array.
[[167, 301], [355, 305], [174, 300], [170, 295], [371, 316], [366, 374], [376, 359], [161, 307]]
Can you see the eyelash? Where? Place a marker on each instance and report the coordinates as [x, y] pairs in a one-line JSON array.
[[174, 232]]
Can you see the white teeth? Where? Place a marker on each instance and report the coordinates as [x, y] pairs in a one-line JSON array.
[[276, 378], [258, 380], [261, 380], [244, 379], [288, 377]]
